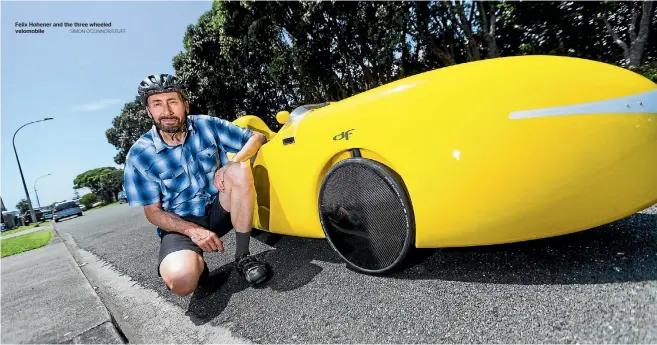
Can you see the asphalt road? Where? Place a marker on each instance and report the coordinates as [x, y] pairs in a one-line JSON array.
[[597, 286]]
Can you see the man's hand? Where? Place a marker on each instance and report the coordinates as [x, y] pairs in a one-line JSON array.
[[219, 177], [206, 240]]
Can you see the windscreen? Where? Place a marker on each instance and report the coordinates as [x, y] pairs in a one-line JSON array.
[[65, 205]]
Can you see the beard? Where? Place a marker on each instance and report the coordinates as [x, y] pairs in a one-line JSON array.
[[171, 128]]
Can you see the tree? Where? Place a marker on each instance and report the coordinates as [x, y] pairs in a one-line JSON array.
[[226, 63], [587, 29], [555, 28], [105, 182], [126, 128], [259, 58], [88, 200], [22, 206], [637, 17]]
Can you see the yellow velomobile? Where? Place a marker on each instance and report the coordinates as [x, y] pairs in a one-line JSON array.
[[487, 152]]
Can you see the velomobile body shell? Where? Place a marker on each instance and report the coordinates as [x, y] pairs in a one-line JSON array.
[[489, 152]]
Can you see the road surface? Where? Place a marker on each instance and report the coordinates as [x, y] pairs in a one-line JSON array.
[[595, 286]]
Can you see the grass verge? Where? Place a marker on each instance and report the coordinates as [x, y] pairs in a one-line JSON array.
[[25, 227], [101, 206], [19, 244]]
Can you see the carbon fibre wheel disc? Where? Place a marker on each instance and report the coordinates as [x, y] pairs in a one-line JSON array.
[[366, 215]]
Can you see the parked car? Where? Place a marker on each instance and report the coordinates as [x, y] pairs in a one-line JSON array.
[[27, 217], [122, 197], [47, 214], [66, 209]]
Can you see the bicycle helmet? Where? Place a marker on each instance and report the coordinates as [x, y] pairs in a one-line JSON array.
[[159, 83]]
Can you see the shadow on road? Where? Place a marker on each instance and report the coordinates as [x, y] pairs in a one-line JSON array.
[[67, 219], [291, 263], [622, 251]]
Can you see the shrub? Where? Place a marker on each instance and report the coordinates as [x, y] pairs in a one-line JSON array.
[[88, 200], [648, 71]]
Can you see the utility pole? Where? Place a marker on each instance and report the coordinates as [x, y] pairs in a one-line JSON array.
[[27, 194]]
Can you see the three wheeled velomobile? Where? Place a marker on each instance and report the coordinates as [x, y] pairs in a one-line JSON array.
[[487, 152]]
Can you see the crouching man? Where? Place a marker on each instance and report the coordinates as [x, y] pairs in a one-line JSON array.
[[179, 172]]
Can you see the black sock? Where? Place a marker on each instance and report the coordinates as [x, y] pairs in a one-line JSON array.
[[242, 243]]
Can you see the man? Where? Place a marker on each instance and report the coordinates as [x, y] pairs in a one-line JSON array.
[[179, 172]]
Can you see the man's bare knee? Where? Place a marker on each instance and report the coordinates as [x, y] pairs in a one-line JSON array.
[[181, 284], [181, 271], [241, 175]]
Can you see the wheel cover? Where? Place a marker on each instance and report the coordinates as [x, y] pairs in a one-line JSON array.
[[366, 215]]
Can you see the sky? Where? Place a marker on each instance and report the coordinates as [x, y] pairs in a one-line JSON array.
[[81, 80]]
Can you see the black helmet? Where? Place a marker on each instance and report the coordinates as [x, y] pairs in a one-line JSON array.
[[159, 83]]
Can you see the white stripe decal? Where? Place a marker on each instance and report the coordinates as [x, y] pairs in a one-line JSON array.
[[645, 102]]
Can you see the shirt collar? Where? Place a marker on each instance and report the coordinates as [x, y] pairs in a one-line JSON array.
[[159, 143]]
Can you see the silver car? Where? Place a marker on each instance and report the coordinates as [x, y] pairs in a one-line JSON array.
[[66, 209]]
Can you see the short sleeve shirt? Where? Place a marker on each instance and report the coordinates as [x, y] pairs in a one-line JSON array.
[[181, 177]]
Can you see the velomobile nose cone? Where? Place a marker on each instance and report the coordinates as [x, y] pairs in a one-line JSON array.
[[513, 149]]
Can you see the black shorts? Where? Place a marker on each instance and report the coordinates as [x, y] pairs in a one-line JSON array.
[[216, 219]]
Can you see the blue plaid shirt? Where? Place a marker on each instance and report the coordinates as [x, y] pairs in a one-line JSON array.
[[181, 177]]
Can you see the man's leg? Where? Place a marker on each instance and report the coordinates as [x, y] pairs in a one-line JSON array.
[[181, 263], [238, 198]]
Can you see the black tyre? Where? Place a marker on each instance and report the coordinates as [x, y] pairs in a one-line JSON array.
[[366, 215]]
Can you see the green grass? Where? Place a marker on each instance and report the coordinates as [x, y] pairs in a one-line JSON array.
[[99, 207], [25, 227], [19, 244]]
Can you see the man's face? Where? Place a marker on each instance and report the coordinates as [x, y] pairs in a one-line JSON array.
[[168, 111]]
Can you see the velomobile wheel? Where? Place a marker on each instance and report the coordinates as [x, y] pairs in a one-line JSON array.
[[366, 215]]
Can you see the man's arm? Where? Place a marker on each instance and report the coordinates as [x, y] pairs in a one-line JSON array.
[[250, 148], [167, 220], [204, 238], [144, 190]]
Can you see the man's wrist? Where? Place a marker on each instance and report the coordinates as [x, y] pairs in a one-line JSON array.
[[194, 231], [194, 228]]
